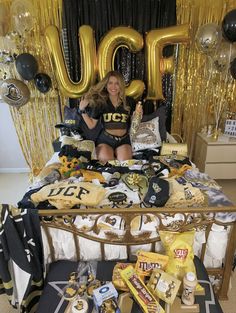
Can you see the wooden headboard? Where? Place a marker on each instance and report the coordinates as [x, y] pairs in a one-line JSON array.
[[181, 219]]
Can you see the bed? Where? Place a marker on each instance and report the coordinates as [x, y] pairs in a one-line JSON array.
[[79, 209], [111, 245]]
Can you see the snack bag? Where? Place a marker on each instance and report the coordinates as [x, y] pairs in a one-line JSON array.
[[147, 261], [179, 248], [164, 286], [117, 281], [142, 295]]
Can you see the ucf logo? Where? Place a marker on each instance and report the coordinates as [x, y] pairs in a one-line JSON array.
[[115, 117], [156, 187], [70, 191]]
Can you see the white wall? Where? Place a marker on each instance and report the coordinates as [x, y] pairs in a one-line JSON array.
[[11, 156]]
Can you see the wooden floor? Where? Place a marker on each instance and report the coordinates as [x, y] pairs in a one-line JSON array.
[[13, 186]]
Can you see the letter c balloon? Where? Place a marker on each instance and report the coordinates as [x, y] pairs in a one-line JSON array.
[[120, 37]]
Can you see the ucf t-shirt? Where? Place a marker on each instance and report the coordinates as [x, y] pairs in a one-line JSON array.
[[115, 118], [64, 195]]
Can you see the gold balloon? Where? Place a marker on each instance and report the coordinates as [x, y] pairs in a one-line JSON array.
[[167, 65], [208, 38], [135, 89], [23, 16], [155, 41], [88, 61], [120, 37], [222, 56]]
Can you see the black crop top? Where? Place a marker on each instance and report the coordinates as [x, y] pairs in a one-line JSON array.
[[115, 118]]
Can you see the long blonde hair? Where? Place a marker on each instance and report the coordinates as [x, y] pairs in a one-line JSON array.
[[98, 94]]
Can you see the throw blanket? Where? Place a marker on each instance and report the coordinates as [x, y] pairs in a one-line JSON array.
[[21, 257]]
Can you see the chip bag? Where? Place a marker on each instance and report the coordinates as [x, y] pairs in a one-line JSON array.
[[179, 248], [117, 281]]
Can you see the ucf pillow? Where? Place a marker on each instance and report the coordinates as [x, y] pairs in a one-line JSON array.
[[161, 113], [147, 136]]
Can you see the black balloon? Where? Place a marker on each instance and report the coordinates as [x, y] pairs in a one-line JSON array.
[[26, 66], [233, 68], [229, 26], [42, 82]]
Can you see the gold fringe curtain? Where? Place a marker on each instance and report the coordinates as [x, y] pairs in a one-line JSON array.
[[197, 87], [35, 121]]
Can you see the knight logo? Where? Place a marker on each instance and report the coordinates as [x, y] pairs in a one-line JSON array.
[[181, 253], [13, 93], [156, 187]]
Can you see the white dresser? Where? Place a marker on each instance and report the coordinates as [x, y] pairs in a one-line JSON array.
[[216, 158]]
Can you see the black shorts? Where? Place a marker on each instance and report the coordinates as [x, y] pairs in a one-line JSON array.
[[113, 141]]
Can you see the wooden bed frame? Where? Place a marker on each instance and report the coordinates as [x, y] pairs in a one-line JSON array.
[[201, 218]]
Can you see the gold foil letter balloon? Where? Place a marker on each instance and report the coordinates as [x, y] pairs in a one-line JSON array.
[[88, 61], [155, 41], [112, 41]]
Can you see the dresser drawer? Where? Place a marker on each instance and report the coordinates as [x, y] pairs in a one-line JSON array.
[[216, 158], [221, 170], [221, 153]]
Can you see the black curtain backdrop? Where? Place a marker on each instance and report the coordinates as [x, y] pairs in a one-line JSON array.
[[102, 15]]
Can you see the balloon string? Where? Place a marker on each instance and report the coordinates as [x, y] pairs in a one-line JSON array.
[[176, 61], [209, 61], [230, 53], [59, 105], [209, 75]]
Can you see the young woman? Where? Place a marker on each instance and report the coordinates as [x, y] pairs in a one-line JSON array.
[[107, 102]]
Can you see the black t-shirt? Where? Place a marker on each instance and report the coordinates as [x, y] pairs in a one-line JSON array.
[[115, 118]]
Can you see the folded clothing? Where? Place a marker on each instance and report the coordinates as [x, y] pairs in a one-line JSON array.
[[184, 195]]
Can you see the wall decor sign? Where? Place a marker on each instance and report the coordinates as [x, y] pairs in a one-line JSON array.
[[230, 128]]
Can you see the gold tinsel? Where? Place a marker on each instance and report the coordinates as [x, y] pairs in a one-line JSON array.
[[197, 88], [35, 121]]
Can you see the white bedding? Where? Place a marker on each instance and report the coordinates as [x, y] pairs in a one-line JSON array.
[[64, 245]]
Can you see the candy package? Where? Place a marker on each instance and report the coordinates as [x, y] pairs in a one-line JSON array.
[[140, 292], [147, 261], [163, 285]]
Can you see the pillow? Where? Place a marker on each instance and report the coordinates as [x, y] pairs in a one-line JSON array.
[[81, 145], [147, 136], [161, 113]]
